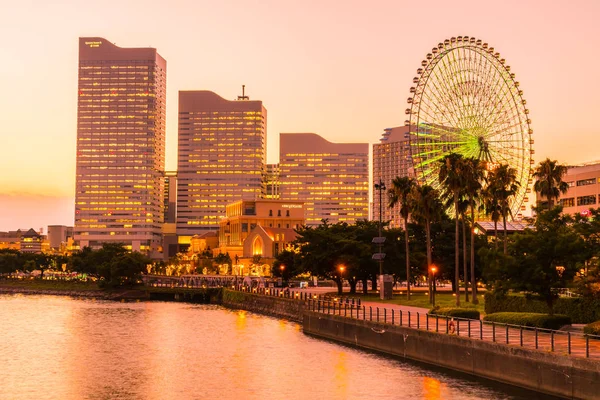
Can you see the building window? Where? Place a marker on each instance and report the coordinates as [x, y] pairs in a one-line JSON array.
[[270, 213], [287, 214], [586, 200], [585, 182], [287, 226], [570, 202], [276, 249], [244, 227], [279, 225], [571, 184], [279, 213]]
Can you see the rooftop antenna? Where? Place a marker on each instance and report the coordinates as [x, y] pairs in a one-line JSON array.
[[243, 96]]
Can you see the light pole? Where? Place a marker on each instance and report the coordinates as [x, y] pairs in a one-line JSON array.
[[282, 268], [433, 271], [381, 187], [342, 268]]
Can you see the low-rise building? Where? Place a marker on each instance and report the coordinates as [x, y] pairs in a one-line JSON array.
[[584, 189], [256, 231]]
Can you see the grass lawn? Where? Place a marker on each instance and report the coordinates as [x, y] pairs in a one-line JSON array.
[[36, 284], [420, 299]]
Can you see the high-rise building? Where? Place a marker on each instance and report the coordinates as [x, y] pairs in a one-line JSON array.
[[120, 145], [332, 179], [221, 158], [272, 181], [391, 159], [170, 197]]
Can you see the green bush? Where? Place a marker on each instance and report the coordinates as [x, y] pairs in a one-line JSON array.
[[537, 320], [582, 310], [468, 313], [592, 329]]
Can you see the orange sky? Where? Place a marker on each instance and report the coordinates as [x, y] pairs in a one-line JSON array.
[[341, 69]]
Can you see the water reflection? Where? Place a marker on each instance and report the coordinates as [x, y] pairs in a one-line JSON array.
[[60, 348]]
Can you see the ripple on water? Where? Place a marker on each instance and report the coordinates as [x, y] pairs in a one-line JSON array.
[[63, 348]]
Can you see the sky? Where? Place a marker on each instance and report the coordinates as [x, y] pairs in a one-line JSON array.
[[341, 69]]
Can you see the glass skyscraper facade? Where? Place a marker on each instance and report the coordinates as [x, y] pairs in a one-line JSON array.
[[221, 158], [121, 112], [332, 179]]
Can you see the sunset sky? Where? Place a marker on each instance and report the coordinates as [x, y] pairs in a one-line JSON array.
[[341, 69]]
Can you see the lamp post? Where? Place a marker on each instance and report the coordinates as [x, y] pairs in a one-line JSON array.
[[282, 269], [342, 268], [381, 187], [433, 271]]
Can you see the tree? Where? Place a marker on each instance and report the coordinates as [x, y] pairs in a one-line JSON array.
[[451, 179], [548, 180], [506, 188], [124, 269], [427, 207], [399, 193], [290, 260], [541, 260], [473, 176], [221, 259]]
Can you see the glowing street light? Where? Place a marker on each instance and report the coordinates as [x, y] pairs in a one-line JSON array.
[[342, 268], [433, 271]]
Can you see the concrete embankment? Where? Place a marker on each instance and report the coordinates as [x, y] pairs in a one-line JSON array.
[[549, 373], [268, 305], [91, 294]]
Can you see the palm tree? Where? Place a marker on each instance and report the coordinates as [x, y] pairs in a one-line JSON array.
[[399, 193], [507, 187], [473, 175], [548, 180], [426, 207], [491, 204], [451, 178]]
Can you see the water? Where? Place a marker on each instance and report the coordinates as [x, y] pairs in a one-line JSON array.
[[62, 348]]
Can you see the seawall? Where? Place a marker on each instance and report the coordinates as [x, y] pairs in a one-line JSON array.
[[280, 307], [548, 373]]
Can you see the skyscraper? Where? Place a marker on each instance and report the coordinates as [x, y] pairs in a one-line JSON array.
[[332, 179], [221, 157], [391, 158], [120, 145]]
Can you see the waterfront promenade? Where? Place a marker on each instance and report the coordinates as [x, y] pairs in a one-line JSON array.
[[561, 342]]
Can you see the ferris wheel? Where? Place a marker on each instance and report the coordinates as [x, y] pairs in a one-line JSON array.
[[466, 100]]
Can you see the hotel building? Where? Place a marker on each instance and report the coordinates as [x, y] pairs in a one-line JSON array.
[[221, 158], [391, 158], [584, 189], [120, 145], [331, 179]]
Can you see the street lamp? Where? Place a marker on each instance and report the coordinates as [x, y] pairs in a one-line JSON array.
[[282, 269], [342, 268], [433, 271], [381, 187]]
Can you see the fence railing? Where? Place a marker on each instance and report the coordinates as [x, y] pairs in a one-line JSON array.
[[563, 342]]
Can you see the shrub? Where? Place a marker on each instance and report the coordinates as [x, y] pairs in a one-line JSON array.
[[592, 329], [456, 312], [582, 310], [537, 320]]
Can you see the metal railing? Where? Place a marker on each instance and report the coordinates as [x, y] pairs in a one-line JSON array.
[[561, 342]]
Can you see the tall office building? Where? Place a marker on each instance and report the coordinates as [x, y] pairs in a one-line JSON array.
[[391, 158], [332, 179], [221, 158], [120, 145], [272, 182]]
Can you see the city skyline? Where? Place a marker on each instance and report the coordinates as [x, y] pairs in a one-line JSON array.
[[353, 58]]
